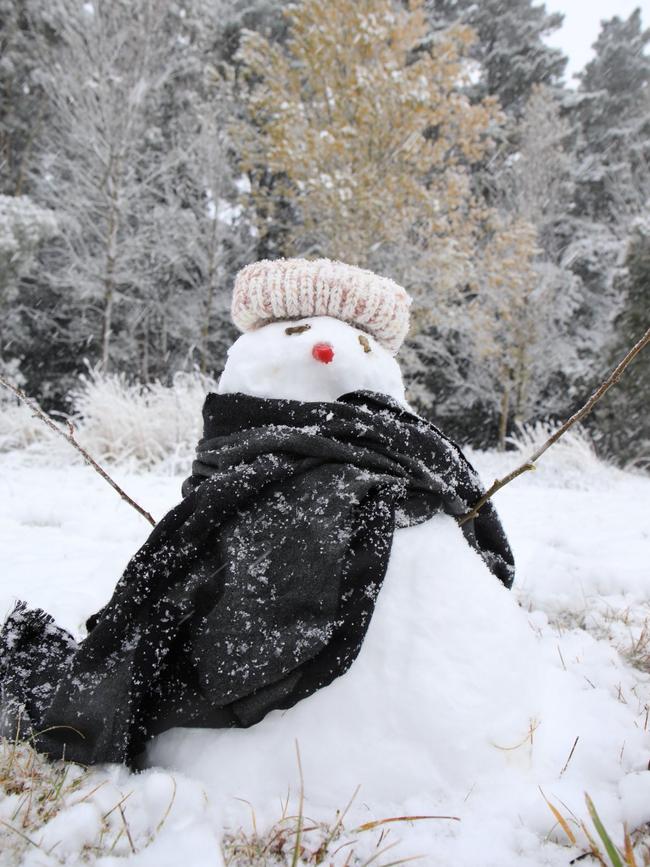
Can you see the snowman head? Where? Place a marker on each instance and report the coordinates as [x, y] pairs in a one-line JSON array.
[[315, 330], [316, 358]]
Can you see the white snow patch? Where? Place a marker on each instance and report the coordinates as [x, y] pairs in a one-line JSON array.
[[465, 698]]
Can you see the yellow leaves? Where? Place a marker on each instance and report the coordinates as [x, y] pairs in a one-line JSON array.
[[359, 142]]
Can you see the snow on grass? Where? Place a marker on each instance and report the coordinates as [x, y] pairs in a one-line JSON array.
[[581, 536]]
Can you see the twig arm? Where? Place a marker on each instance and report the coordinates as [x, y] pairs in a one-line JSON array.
[[529, 464], [70, 437]]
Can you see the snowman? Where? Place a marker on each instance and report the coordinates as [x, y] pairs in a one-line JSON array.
[[446, 644], [314, 581]]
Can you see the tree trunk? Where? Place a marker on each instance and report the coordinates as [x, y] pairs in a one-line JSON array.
[[27, 152], [109, 275], [522, 384], [205, 328], [503, 418], [144, 366], [205, 325]]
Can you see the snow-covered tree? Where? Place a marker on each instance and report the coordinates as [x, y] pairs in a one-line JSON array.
[[134, 158], [204, 236], [622, 419], [536, 185], [614, 115], [612, 179], [106, 65], [510, 49], [22, 104], [262, 16], [23, 227], [369, 140]]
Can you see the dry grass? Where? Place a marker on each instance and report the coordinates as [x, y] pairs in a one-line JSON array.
[[298, 840], [627, 629], [36, 789], [638, 651]]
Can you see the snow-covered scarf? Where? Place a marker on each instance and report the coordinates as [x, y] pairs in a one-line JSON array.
[[257, 589]]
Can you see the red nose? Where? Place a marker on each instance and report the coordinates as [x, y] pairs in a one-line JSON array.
[[323, 352]]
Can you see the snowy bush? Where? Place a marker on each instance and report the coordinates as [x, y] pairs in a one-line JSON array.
[[571, 462], [19, 427], [120, 422], [117, 421]]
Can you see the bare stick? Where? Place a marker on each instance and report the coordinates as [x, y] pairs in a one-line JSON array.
[[573, 749], [70, 437], [613, 378]]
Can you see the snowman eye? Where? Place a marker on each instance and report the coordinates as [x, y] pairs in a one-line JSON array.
[[297, 329], [363, 340]]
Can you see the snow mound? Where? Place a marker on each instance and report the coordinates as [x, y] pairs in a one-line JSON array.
[[454, 707]]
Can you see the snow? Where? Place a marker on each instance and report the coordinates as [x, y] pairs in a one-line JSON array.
[[467, 702], [464, 700]]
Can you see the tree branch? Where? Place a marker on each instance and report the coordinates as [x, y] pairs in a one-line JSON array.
[[70, 437], [613, 378]]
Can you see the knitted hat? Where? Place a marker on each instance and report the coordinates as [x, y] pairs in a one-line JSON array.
[[296, 288]]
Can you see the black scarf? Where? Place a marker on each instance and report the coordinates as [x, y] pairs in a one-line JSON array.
[[257, 589]]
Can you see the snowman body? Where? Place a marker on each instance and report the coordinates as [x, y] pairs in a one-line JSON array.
[[439, 654]]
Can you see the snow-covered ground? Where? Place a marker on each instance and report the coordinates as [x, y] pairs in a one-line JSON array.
[[580, 531]]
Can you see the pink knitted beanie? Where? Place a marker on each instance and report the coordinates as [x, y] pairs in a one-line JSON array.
[[297, 288]]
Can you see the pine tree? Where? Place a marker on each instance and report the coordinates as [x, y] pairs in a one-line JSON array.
[[612, 187], [23, 228], [614, 116], [262, 16], [510, 48], [22, 103], [623, 420]]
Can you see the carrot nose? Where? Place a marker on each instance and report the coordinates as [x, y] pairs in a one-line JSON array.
[[323, 352]]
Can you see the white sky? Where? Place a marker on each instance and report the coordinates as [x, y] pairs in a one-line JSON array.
[[582, 24]]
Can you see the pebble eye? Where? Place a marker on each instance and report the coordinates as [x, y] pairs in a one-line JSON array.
[[297, 329], [363, 340]]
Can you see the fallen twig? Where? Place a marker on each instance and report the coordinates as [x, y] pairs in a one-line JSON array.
[[70, 437], [613, 378]]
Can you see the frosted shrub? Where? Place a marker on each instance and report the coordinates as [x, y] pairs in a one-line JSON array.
[[119, 422], [19, 427], [571, 462]]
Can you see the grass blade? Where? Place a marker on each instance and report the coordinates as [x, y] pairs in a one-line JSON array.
[[562, 822], [368, 826], [297, 849], [630, 860], [610, 848], [595, 851]]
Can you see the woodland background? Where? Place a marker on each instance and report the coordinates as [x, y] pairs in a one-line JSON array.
[[150, 149]]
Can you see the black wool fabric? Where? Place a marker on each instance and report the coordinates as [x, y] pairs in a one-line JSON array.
[[257, 589]]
